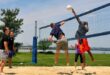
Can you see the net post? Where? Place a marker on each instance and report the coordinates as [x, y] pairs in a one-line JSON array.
[[34, 47]]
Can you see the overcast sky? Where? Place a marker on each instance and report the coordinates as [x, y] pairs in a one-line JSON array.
[[47, 11]]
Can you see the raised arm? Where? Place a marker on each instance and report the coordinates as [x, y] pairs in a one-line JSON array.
[[62, 23], [77, 18]]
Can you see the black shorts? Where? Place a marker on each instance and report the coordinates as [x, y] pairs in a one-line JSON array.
[[76, 57]]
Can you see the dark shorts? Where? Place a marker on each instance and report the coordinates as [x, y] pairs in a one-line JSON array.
[[11, 54], [76, 57]]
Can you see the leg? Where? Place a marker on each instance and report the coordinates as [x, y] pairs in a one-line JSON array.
[[0, 62], [3, 62], [75, 64], [67, 57], [10, 58], [87, 48], [81, 60], [65, 47], [3, 56], [59, 44], [57, 56], [83, 66], [10, 62], [84, 59], [90, 54], [76, 58]]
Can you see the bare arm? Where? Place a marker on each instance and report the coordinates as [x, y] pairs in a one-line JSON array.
[[50, 38], [77, 18], [14, 49], [6, 46], [62, 23]]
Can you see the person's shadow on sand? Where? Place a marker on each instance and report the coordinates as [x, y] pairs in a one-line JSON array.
[[10, 73], [90, 73], [80, 71], [64, 73]]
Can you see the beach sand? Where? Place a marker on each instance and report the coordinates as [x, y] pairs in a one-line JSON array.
[[57, 70]]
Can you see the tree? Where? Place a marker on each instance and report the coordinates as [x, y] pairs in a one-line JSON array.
[[44, 44], [9, 18]]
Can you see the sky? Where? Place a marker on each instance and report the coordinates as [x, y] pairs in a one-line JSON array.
[[47, 11]]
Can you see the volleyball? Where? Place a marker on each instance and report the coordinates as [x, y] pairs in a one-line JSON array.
[[69, 7]]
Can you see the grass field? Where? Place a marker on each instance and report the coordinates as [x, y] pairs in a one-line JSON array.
[[48, 60]]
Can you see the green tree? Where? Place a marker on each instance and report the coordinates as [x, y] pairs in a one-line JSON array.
[[44, 44], [9, 19]]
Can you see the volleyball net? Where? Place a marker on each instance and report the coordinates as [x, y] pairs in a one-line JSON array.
[[99, 25]]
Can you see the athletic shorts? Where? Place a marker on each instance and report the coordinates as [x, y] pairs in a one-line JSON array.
[[11, 54], [86, 45], [62, 44], [3, 55], [81, 48]]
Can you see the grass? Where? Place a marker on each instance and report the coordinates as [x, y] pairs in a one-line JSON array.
[[48, 60]]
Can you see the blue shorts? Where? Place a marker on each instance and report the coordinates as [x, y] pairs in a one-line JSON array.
[[11, 54]]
